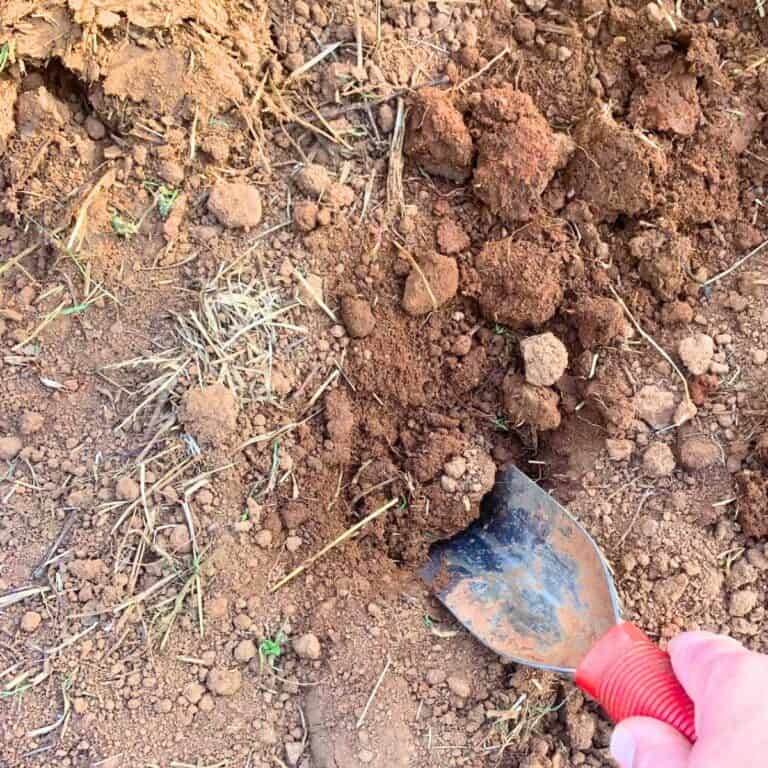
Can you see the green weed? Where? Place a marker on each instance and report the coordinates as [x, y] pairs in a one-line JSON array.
[[121, 227], [271, 649], [501, 424], [6, 54], [166, 197]]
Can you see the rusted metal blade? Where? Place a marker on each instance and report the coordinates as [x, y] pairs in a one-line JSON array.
[[526, 579]]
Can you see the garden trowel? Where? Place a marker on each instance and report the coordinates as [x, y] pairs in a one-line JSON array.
[[530, 583]]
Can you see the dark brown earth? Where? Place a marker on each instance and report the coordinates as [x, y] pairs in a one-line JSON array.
[[265, 271]]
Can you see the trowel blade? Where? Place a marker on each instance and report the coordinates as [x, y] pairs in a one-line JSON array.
[[526, 579]]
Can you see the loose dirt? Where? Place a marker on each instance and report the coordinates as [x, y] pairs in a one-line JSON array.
[[265, 271]]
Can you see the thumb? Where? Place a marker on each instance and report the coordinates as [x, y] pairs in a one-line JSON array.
[[642, 742]]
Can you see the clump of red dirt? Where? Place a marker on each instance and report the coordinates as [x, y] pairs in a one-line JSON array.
[[599, 321], [437, 137], [518, 153], [663, 260], [517, 280], [616, 170]]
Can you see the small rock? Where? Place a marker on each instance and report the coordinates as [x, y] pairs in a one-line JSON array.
[[441, 273], [80, 705], [307, 646], [365, 756], [581, 727], [235, 205], [742, 602], [655, 406], [180, 540], [524, 29], [668, 591], [545, 357], [164, 706], [462, 345], [456, 467], [218, 607], [172, 172], [107, 20], [658, 460], [448, 484], [451, 238], [30, 621], [305, 215], [224, 682], [293, 751], [698, 453], [742, 573], [459, 686], [207, 703], [535, 6], [313, 179], [386, 118], [95, 128], [30, 423], [293, 543], [357, 317], [9, 448], [339, 195], [757, 559], [264, 538], [619, 450], [245, 650], [243, 622], [759, 356], [127, 489], [435, 677], [193, 692], [696, 352], [267, 734]]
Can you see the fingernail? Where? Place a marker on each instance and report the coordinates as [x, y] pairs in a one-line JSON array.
[[623, 747]]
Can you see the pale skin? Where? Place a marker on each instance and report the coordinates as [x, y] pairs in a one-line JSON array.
[[729, 688]]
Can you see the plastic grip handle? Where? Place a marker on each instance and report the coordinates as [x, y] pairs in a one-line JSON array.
[[628, 675]]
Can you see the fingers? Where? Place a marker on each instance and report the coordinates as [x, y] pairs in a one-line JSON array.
[[694, 656], [641, 742]]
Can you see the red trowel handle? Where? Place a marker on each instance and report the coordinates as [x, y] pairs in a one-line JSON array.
[[628, 675]]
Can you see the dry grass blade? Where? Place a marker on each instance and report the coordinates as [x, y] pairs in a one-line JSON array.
[[314, 61], [379, 681], [230, 337], [18, 595], [320, 303], [720, 275], [275, 433], [76, 237], [653, 343], [335, 543], [482, 71], [395, 195], [61, 720]]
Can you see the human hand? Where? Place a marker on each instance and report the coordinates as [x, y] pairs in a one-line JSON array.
[[729, 688]]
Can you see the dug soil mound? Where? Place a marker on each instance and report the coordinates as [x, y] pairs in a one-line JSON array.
[[283, 285]]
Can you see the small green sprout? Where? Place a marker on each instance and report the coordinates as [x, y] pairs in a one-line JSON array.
[[121, 227], [271, 649], [6, 54], [165, 196], [429, 622], [501, 424]]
